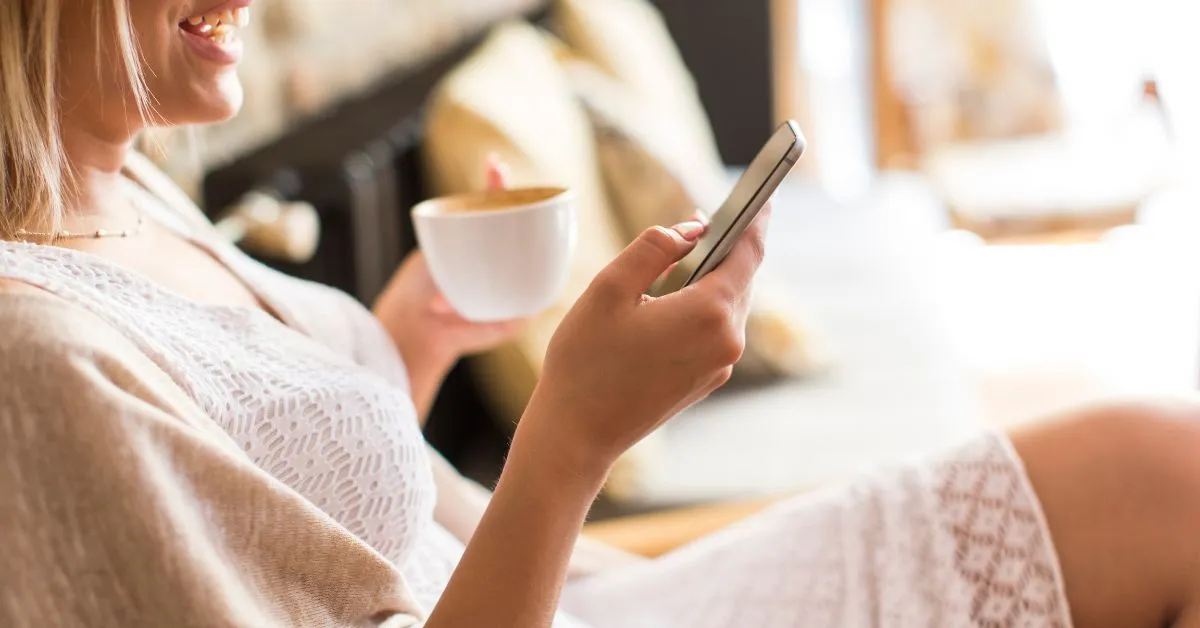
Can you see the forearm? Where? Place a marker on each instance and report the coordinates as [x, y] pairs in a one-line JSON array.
[[462, 502], [426, 369], [514, 566], [425, 378]]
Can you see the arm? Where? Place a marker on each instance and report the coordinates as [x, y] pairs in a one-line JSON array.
[[426, 371], [514, 567], [462, 502]]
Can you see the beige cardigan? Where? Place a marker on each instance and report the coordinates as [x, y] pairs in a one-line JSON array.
[[122, 504]]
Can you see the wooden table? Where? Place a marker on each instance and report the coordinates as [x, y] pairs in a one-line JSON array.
[[658, 533]]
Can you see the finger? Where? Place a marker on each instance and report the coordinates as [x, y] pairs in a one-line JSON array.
[[497, 173], [733, 276], [650, 255], [720, 379], [701, 217], [709, 385], [447, 315], [509, 327], [492, 330], [440, 305], [667, 271]]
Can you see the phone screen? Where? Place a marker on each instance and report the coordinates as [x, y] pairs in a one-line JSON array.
[[749, 195]]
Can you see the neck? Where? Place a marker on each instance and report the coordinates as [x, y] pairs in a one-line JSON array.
[[93, 192]]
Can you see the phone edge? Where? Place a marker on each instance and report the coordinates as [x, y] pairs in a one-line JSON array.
[[782, 168]]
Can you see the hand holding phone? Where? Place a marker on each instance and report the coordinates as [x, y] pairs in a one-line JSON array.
[[749, 196]]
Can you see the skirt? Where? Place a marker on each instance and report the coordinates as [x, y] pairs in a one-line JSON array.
[[957, 540]]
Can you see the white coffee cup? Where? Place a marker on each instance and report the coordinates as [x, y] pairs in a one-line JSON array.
[[502, 254]]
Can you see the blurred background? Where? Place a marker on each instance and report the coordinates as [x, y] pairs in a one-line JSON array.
[[996, 217]]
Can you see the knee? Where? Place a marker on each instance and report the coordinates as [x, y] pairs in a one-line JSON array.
[[1151, 446], [1120, 488], [1158, 439]]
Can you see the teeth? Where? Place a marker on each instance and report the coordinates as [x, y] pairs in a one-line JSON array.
[[221, 26], [224, 34]]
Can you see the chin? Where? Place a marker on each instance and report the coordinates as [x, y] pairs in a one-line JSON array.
[[226, 102], [200, 104]]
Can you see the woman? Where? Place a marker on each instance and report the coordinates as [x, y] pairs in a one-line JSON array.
[[191, 439]]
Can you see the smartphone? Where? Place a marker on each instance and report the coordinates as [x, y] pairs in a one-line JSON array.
[[748, 197]]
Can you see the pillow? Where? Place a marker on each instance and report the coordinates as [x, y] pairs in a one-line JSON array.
[[633, 154], [645, 190], [629, 41], [779, 342]]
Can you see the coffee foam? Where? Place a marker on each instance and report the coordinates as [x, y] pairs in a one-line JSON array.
[[495, 200]]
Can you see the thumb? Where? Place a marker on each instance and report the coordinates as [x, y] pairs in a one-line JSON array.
[[650, 255]]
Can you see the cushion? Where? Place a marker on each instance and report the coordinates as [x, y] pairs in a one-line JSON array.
[[509, 99], [629, 41], [633, 154]]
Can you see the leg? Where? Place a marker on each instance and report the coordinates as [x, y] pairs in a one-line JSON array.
[[1120, 486]]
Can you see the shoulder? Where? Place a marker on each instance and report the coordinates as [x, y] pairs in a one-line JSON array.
[[69, 377], [49, 343], [33, 320], [61, 359]]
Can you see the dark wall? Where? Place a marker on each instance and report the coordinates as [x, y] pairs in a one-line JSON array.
[[727, 46]]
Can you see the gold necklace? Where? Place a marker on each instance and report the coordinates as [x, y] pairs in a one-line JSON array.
[[97, 234]]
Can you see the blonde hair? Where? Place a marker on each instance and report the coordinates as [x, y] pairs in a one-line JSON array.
[[35, 175]]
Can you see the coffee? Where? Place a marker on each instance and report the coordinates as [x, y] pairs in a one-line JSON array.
[[499, 255], [489, 201]]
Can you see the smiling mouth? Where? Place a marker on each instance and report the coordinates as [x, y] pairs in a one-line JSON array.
[[221, 28]]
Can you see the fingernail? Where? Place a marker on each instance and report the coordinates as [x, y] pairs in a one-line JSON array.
[[690, 230], [701, 216]]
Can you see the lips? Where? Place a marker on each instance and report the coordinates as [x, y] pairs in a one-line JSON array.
[[213, 35], [220, 26]]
